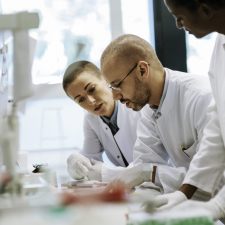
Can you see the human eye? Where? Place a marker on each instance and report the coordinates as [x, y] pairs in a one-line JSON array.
[[81, 100], [92, 89], [116, 86]]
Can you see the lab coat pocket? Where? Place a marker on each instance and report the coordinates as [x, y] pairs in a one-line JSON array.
[[191, 151]]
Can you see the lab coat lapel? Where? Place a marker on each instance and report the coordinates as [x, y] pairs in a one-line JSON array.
[[121, 137], [104, 127], [111, 145]]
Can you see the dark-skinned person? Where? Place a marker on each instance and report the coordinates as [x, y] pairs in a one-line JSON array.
[[200, 18]]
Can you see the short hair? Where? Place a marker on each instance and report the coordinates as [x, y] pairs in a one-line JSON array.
[[77, 68], [130, 49], [193, 5]]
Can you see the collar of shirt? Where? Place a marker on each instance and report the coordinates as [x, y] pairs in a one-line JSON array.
[[157, 109], [113, 119]]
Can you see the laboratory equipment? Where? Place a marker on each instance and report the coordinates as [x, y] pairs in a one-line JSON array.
[[84, 183], [23, 49]]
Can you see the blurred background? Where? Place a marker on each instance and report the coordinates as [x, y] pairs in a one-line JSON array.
[[51, 123]]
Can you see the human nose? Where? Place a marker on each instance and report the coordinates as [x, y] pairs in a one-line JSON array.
[[91, 100], [179, 24], [116, 95]]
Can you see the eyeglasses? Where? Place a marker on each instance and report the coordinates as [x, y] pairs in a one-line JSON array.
[[117, 86]]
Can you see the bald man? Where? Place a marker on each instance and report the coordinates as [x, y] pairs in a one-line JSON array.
[[171, 128]]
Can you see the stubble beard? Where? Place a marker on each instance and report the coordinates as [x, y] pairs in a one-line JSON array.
[[141, 95]]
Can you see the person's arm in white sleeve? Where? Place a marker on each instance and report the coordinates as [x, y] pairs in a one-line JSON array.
[[212, 146], [169, 178], [79, 165], [109, 172], [92, 147], [93, 150], [206, 168], [149, 149], [144, 156]]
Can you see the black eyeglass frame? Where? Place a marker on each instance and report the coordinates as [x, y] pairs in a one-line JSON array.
[[117, 86]]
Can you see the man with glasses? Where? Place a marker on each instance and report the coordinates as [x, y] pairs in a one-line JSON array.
[[171, 128]]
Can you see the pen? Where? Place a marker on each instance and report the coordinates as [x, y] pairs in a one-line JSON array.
[[183, 150]]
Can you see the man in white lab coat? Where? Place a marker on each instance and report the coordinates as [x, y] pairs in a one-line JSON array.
[[211, 17], [108, 126], [171, 128]]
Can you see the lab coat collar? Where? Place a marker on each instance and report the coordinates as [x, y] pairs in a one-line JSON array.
[[158, 110], [171, 91]]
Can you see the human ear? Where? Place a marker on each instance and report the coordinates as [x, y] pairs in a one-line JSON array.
[[206, 11], [143, 70]]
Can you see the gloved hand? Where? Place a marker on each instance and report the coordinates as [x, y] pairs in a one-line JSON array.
[[167, 201], [96, 174], [213, 208], [78, 166], [127, 180]]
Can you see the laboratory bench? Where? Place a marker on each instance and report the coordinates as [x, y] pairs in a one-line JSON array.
[[44, 207]]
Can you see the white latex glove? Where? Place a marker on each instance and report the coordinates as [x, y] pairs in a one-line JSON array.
[[212, 207], [167, 201], [78, 166], [97, 173], [127, 180]]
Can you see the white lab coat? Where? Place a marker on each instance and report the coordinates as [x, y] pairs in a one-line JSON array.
[[99, 138], [181, 124], [208, 165]]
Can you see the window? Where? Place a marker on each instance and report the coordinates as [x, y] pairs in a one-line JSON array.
[[69, 30], [135, 18], [51, 130], [199, 52], [52, 126]]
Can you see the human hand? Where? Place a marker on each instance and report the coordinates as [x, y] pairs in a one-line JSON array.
[[96, 174], [127, 180], [78, 166], [168, 201], [212, 207]]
